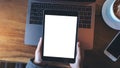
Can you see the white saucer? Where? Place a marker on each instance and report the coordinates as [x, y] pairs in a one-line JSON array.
[[108, 17]]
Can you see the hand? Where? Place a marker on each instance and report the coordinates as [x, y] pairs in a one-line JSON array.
[[38, 58], [78, 58]]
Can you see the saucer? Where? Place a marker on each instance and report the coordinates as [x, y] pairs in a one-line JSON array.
[[107, 17]]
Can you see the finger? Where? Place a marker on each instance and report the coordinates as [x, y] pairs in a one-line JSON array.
[[78, 56], [78, 48], [39, 44]]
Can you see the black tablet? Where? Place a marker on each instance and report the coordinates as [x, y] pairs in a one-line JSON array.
[[60, 36]]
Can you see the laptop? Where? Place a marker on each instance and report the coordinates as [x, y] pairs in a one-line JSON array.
[[86, 19]]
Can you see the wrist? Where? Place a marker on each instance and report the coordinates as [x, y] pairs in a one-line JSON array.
[[39, 62], [36, 62]]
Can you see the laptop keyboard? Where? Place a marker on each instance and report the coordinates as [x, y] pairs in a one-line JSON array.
[[84, 13]]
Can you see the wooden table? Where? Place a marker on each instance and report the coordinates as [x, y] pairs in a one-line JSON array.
[[12, 29]]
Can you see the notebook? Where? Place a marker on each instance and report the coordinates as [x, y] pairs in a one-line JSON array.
[[86, 19]]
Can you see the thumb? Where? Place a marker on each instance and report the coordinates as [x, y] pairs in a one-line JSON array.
[[78, 56], [39, 45]]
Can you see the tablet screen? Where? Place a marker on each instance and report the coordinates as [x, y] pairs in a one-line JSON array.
[[59, 36]]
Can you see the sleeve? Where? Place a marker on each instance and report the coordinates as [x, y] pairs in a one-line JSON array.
[[30, 64]]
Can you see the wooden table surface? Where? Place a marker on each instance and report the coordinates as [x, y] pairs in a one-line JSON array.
[[12, 29]]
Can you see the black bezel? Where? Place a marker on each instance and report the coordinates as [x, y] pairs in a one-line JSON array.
[[59, 59], [74, 0]]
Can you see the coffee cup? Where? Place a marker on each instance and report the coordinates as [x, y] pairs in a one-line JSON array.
[[115, 10]]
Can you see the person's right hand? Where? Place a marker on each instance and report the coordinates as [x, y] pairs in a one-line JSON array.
[[78, 58]]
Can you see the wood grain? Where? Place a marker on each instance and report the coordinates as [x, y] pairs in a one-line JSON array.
[[12, 28], [99, 4]]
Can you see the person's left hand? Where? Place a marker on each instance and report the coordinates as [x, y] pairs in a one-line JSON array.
[[38, 59]]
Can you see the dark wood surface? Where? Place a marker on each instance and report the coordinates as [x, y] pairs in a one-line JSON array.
[[95, 58], [12, 28]]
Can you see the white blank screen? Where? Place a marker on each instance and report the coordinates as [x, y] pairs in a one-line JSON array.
[[60, 36]]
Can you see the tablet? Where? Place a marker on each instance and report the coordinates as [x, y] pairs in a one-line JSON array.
[[60, 36]]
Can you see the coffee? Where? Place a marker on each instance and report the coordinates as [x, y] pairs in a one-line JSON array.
[[116, 8]]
